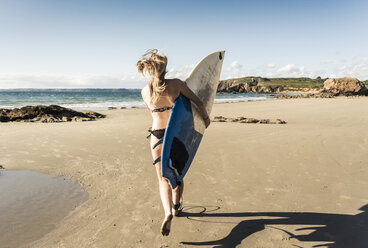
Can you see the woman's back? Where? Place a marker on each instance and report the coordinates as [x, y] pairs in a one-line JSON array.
[[161, 110]]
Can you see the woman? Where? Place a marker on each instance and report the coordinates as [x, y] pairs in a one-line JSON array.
[[159, 96]]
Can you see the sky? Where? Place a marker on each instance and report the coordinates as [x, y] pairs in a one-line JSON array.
[[96, 44]]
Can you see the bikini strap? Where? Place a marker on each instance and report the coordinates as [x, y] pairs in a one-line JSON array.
[[159, 142], [161, 109], [157, 160], [150, 131]]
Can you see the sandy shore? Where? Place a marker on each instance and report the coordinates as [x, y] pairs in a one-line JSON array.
[[255, 185]]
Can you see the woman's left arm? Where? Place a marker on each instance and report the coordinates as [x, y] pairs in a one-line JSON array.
[[185, 91]]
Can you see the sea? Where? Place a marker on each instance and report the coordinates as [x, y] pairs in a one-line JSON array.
[[96, 99]]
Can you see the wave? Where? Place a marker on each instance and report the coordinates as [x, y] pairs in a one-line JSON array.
[[104, 105], [241, 99]]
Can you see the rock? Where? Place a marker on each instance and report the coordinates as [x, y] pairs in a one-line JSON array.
[[249, 120], [92, 114], [219, 119], [264, 121], [4, 118], [46, 114], [2, 167], [110, 108], [278, 121], [242, 119], [232, 119], [233, 86], [344, 86], [123, 108], [308, 95], [65, 118]]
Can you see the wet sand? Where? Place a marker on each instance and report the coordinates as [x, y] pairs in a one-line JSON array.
[[251, 185], [32, 204]]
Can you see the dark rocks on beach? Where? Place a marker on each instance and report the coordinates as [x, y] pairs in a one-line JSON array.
[[248, 120], [309, 95], [2, 167], [42, 113], [110, 108]]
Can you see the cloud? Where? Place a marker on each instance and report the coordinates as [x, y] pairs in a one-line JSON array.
[[271, 66], [181, 73], [234, 66], [326, 61], [291, 70], [358, 70], [234, 70], [10, 81]]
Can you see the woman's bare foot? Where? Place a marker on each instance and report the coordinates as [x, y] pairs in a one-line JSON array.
[[166, 224]]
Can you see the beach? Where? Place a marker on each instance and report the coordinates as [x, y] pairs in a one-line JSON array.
[[250, 185]]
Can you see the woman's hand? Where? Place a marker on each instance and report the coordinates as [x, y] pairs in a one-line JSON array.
[[207, 121]]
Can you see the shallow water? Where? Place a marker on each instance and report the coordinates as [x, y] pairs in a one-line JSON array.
[[32, 204]]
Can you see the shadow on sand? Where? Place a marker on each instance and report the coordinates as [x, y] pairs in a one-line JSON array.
[[339, 230]]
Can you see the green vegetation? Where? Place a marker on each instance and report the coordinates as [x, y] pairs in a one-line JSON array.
[[291, 83], [366, 83]]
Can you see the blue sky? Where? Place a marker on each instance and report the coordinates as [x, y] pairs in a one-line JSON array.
[[73, 43]]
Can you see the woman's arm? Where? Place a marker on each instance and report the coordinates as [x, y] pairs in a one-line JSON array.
[[185, 91]]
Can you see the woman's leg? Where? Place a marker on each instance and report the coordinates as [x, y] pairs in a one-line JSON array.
[[165, 190], [177, 195], [166, 199]]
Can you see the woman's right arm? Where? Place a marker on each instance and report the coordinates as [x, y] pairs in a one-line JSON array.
[[144, 96]]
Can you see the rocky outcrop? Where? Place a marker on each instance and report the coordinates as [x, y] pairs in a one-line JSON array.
[[344, 86], [233, 87], [248, 120], [41, 113]]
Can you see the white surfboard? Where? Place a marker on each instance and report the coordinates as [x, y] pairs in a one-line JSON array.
[[203, 81]]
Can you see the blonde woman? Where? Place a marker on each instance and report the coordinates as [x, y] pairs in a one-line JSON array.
[[159, 96]]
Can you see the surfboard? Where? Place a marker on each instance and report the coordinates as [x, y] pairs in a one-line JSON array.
[[185, 126]]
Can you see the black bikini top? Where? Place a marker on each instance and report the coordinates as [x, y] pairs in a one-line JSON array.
[[161, 109]]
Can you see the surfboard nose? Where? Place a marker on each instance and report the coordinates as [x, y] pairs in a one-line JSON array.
[[221, 55]]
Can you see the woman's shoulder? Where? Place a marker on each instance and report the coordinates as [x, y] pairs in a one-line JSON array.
[[145, 92], [174, 82]]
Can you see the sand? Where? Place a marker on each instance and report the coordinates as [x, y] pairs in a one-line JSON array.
[[251, 185]]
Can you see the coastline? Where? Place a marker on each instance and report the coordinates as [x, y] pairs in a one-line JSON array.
[[314, 163]]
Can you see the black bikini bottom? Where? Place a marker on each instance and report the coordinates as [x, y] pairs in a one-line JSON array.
[[159, 134], [178, 154]]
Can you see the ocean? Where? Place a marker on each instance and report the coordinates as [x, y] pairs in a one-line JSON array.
[[95, 99]]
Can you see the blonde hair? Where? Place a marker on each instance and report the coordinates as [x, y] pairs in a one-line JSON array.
[[155, 65]]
